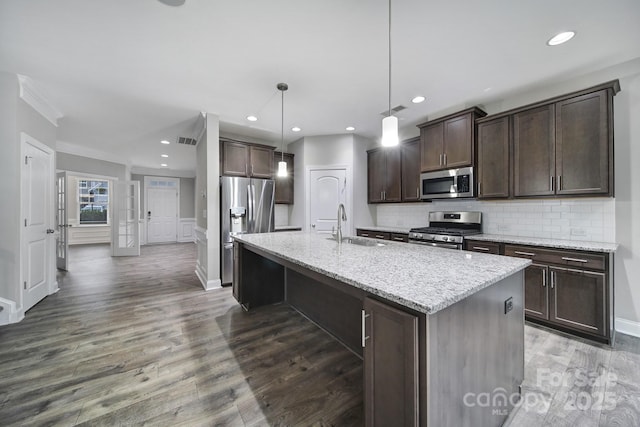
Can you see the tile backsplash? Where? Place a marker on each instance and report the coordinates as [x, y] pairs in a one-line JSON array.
[[281, 215], [591, 219]]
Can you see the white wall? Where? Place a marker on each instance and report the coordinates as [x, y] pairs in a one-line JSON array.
[[16, 116], [333, 150], [586, 214]]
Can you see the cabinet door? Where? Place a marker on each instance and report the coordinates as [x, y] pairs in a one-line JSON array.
[[536, 291], [534, 152], [578, 300], [431, 147], [376, 175], [410, 153], [458, 142], [261, 162], [235, 157], [390, 366], [393, 180], [283, 185], [582, 145], [493, 158]]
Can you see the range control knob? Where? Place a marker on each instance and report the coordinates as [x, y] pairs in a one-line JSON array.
[[445, 238]]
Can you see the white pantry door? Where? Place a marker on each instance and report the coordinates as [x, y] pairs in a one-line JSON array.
[[37, 208], [327, 189], [125, 220]]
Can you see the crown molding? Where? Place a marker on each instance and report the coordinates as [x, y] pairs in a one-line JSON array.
[[33, 97], [176, 173], [78, 150]]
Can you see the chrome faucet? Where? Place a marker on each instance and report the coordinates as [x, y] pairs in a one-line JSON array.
[[342, 216]]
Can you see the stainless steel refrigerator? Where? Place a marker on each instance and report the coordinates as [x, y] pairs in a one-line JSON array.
[[246, 207]]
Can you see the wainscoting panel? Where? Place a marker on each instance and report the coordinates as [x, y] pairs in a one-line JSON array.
[[201, 263], [186, 230], [89, 234]]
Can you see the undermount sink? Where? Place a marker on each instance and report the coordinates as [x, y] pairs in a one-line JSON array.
[[357, 241]]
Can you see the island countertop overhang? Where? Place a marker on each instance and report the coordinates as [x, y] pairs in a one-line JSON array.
[[421, 278]]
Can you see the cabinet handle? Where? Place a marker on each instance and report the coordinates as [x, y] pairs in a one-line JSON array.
[[559, 182], [553, 279], [381, 197], [364, 328], [379, 236], [551, 182], [524, 253], [251, 170], [479, 188], [417, 192], [440, 159], [445, 158], [384, 195], [566, 258], [544, 279], [246, 170], [480, 248], [399, 239], [364, 234]]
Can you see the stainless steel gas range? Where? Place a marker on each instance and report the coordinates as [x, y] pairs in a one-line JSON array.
[[447, 229]]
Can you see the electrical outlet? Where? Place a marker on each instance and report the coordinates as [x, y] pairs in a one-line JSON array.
[[508, 305]]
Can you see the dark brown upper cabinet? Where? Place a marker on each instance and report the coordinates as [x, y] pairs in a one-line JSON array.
[[243, 159], [584, 144], [384, 176], [559, 147], [410, 166], [493, 159], [284, 185], [534, 152], [448, 142]]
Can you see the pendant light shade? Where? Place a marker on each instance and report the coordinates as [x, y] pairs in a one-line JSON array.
[[390, 123], [282, 165], [389, 131], [282, 169]]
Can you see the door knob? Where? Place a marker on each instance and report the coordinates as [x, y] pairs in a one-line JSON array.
[[50, 231], [313, 226]]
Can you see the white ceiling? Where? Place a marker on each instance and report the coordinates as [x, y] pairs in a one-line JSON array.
[[127, 74]]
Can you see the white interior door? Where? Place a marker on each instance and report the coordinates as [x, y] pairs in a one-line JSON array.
[[327, 189], [38, 214], [62, 220], [125, 230], [162, 215]]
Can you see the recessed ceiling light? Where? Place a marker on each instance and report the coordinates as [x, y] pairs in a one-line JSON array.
[[350, 128], [487, 89], [252, 118], [418, 99], [164, 155], [561, 38], [296, 129], [164, 165], [164, 141]]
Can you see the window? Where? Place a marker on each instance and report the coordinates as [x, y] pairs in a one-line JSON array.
[[93, 201]]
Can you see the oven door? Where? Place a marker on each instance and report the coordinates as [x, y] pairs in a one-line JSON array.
[[456, 246], [447, 184]]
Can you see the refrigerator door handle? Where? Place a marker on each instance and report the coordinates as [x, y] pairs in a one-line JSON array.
[[252, 204], [249, 210]]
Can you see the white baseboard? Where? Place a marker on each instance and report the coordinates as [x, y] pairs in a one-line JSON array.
[[628, 327], [207, 285], [10, 312]]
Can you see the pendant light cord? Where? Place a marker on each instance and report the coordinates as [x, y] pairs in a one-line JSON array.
[[282, 130], [389, 111]]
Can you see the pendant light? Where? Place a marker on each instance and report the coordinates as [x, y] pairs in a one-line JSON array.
[[282, 165], [389, 123]]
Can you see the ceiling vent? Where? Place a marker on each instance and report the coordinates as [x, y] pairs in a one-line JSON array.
[[394, 110], [186, 141]]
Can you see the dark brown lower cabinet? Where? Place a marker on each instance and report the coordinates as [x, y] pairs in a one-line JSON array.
[[390, 365], [578, 299], [536, 291]]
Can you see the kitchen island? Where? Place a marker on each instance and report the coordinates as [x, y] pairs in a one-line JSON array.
[[441, 332]]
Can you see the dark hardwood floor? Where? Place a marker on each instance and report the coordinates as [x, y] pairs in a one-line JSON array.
[[132, 341]]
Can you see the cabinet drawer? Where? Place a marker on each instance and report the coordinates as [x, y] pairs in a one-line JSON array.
[[383, 235], [559, 257], [399, 237], [481, 246]]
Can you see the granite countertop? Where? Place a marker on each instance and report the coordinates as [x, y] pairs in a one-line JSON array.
[[389, 229], [423, 278], [552, 243]]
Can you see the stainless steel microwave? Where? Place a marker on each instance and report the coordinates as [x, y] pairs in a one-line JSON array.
[[447, 184]]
